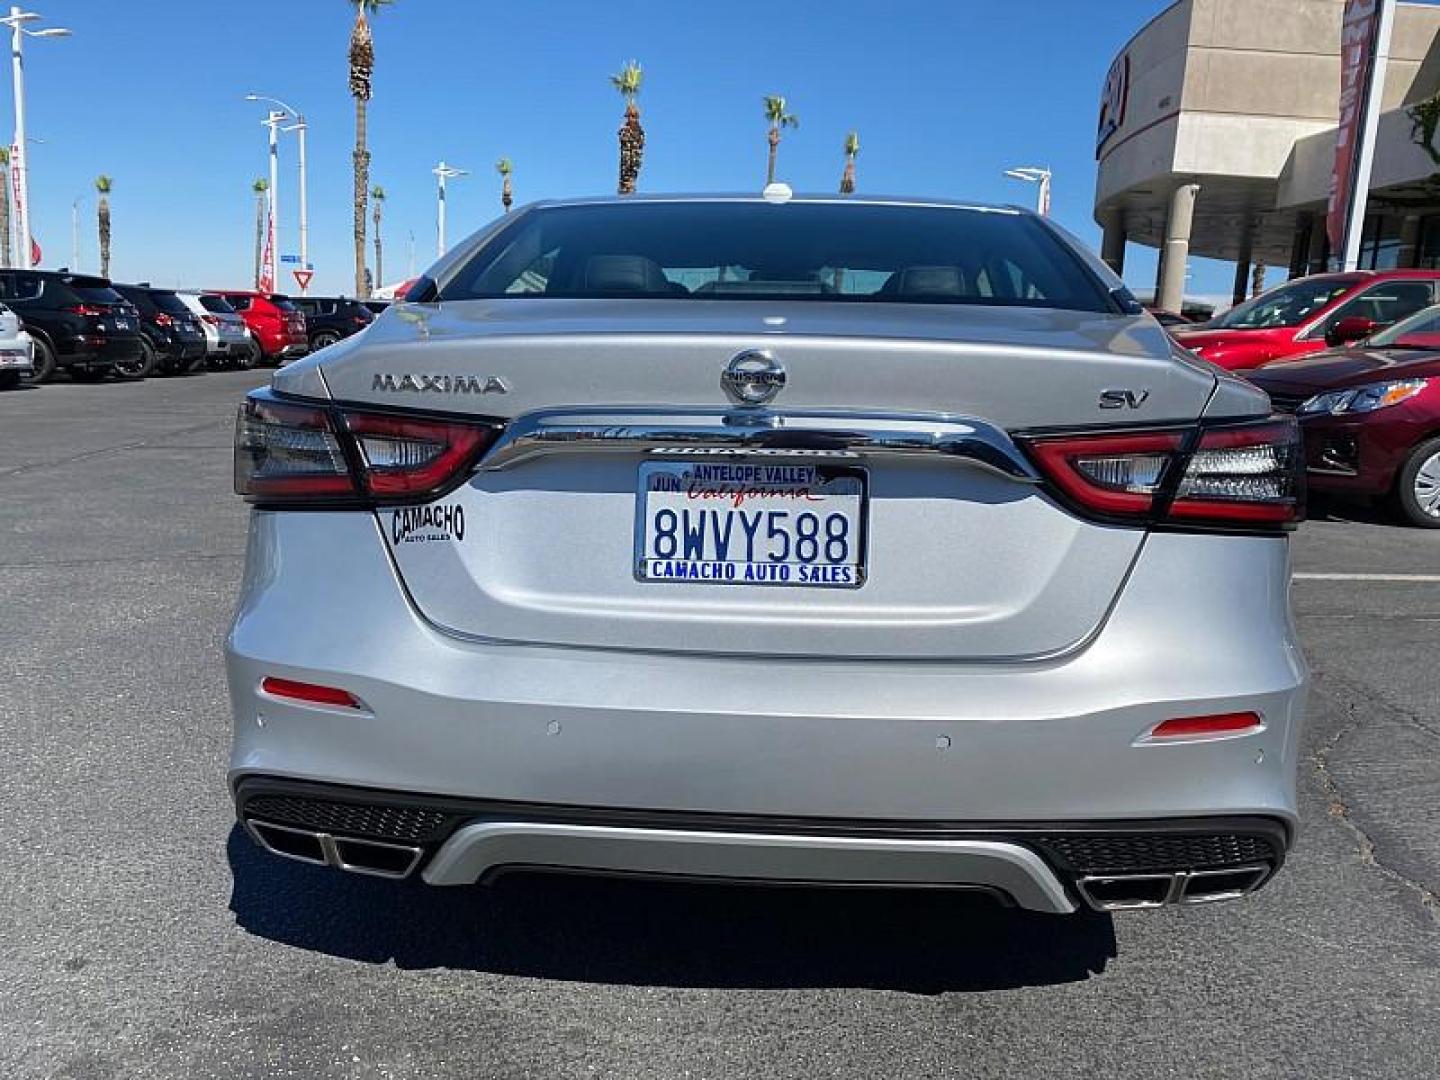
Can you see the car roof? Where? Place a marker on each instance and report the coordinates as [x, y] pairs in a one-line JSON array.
[[797, 197], [85, 281], [1358, 276]]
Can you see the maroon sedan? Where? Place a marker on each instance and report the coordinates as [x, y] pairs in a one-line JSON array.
[[1370, 415]]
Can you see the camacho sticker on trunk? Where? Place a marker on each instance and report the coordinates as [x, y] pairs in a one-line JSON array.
[[424, 524]]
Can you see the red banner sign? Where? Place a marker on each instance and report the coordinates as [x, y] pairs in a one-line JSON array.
[[1358, 35], [267, 259]]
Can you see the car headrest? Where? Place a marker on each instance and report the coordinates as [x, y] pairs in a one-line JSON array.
[[926, 281], [1408, 291], [624, 274]]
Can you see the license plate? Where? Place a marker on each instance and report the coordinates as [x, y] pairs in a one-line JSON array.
[[16, 359], [122, 324], [751, 523]]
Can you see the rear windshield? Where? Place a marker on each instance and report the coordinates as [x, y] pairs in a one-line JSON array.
[[217, 304], [1288, 305], [97, 294], [169, 303], [796, 251], [282, 302]]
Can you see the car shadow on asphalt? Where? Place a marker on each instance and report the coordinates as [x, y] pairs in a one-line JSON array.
[[647, 933]]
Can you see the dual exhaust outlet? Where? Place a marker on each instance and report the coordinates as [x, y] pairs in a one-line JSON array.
[[372, 857], [1131, 892]]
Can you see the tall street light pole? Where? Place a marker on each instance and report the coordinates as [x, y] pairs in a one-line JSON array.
[[16, 20], [75, 234], [443, 172], [272, 121], [299, 127], [1035, 176]]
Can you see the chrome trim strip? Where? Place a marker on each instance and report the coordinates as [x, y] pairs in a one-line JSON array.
[[759, 432]]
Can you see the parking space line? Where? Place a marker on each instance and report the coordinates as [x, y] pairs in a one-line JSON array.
[[1422, 578]]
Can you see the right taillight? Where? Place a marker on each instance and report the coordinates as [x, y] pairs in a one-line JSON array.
[[321, 455], [1246, 475]]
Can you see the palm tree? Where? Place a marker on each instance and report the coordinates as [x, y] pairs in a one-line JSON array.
[[260, 187], [362, 69], [378, 194], [847, 178], [632, 135], [777, 118], [6, 254], [103, 184], [507, 195]]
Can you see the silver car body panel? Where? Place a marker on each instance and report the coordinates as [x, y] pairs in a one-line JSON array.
[[844, 739], [1035, 580], [1004, 661]]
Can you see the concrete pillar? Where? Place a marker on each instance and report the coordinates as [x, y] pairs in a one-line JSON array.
[[1176, 253], [1112, 241], [1242, 263], [1409, 254], [1300, 243], [1319, 247]]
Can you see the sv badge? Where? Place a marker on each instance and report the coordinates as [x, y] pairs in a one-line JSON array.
[[1123, 399]]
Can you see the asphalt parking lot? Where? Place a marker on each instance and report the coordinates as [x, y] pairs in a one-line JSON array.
[[141, 936]]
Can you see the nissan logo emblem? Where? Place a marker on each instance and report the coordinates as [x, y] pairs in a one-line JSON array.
[[753, 377]]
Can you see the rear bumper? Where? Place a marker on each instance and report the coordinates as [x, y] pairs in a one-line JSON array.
[[1040, 866], [226, 344], [97, 353], [19, 359], [1202, 627], [178, 350]]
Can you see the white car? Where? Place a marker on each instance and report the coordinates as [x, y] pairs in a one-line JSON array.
[[17, 350], [227, 338]]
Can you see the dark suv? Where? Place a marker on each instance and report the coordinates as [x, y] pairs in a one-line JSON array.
[[79, 323], [172, 338], [330, 318]]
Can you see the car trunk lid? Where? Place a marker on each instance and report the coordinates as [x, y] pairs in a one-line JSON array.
[[956, 554]]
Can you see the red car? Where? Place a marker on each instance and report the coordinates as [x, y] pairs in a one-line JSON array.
[[1370, 416], [276, 324], [1309, 315]]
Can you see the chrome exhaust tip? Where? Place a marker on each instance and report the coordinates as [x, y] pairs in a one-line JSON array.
[[1135, 892], [373, 857], [1127, 892], [1209, 886]]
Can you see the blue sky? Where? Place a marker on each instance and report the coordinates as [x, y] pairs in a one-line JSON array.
[[945, 96]]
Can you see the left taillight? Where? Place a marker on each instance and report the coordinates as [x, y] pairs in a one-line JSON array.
[[299, 454]]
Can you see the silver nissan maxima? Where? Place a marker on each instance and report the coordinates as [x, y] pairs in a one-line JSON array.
[[839, 541]]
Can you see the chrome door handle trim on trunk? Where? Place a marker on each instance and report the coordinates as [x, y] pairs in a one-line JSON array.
[[759, 433]]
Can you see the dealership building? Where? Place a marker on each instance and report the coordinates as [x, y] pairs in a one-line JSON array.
[[1217, 138]]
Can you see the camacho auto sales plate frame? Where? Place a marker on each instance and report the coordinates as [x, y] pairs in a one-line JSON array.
[[764, 521]]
